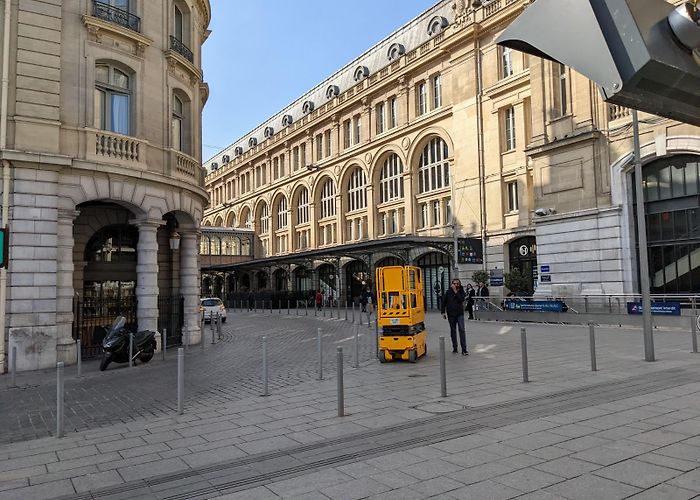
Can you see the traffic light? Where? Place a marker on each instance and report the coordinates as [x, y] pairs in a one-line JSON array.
[[643, 54]]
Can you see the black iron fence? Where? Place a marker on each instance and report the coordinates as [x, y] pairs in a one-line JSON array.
[[181, 48], [92, 319], [107, 12], [171, 313]]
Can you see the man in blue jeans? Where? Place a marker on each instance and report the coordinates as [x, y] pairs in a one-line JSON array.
[[453, 310]]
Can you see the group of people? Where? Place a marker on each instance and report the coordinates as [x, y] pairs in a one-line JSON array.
[[455, 301]]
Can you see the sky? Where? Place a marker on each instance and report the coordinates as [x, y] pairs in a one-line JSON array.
[[264, 54]]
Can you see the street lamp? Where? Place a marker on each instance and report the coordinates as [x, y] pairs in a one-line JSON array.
[[174, 241]]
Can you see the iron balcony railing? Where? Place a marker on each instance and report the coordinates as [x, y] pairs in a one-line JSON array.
[[115, 15], [181, 49]]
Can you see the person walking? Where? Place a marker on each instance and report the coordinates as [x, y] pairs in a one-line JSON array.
[[251, 298], [319, 299], [482, 292], [453, 310], [470, 300], [364, 299]]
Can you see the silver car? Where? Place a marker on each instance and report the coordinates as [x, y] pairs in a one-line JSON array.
[[211, 306]]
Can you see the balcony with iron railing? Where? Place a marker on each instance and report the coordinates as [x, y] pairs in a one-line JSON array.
[[115, 15], [181, 48]]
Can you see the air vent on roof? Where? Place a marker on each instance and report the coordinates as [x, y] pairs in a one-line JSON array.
[[269, 132], [360, 73]]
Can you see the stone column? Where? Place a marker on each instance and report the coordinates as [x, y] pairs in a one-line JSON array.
[[371, 213], [341, 237], [147, 273], [312, 243], [538, 102], [189, 283], [404, 102], [409, 203], [335, 136], [65, 345], [366, 120]]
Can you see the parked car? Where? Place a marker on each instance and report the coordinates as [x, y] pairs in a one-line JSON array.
[[211, 306]]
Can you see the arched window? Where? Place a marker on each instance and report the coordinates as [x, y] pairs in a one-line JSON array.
[[357, 194], [303, 207], [282, 213], [116, 243], [434, 166], [177, 123], [112, 99], [328, 199], [391, 180], [264, 219], [248, 220]]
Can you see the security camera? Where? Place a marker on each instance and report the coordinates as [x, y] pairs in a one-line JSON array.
[[544, 211]]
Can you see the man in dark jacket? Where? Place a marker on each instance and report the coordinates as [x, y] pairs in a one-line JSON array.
[[453, 310]]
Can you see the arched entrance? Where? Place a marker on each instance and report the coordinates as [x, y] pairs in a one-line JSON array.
[[390, 261], [244, 282], [302, 280], [671, 188], [261, 280], [436, 277], [357, 277], [281, 280], [328, 282], [523, 256]]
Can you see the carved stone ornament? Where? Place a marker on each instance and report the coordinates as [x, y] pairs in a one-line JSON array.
[[406, 143], [462, 13], [95, 32], [336, 171], [141, 49], [368, 158]]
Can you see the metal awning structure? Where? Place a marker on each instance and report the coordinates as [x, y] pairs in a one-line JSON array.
[[364, 251]]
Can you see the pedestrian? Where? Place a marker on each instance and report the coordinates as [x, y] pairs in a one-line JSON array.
[[453, 310], [364, 299], [470, 300], [437, 288], [319, 299], [482, 292], [251, 298], [369, 307]]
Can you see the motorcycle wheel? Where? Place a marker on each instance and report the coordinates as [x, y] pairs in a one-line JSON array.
[[146, 356], [106, 359]]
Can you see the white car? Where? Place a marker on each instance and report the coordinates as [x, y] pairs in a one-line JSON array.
[[211, 306]]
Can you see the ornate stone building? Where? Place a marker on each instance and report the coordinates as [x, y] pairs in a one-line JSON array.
[[436, 147], [100, 147]]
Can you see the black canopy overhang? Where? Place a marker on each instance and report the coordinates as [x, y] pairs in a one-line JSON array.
[[398, 246]]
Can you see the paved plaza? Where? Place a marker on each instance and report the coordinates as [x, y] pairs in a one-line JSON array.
[[629, 430]]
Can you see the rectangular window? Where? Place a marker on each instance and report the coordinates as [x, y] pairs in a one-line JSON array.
[[448, 212], [506, 62], [424, 219], [422, 99], [302, 153], [393, 112], [436, 213], [437, 92], [562, 84], [275, 168], [358, 129], [512, 196], [346, 134], [509, 129], [328, 143], [380, 117], [282, 169], [295, 154], [319, 146]]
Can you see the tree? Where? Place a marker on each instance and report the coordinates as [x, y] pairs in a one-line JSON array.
[[517, 282], [480, 277]]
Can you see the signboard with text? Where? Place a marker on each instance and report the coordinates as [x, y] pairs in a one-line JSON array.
[[469, 251], [535, 305], [659, 308]]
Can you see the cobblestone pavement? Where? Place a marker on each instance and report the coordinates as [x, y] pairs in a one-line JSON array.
[[629, 430], [229, 370]]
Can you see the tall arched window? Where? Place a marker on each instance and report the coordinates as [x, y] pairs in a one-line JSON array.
[[357, 194], [434, 166], [177, 120], [303, 207], [112, 99], [328, 199], [264, 219], [282, 213], [391, 180]]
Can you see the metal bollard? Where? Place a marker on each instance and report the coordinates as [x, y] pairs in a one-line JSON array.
[[255, 306], [324, 310], [341, 393], [13, 367], [287, 306], [346, 312], [164, 342], [591, 336], [357, 345], [218, 326], [211, 324], [443, 369], [296, 307], [279, 306], [693, 332], [213, 341], [180, 380], [131, 349], [319, 348], [306, 307], [79, 354], [59, 399], [270, 306], [523, 347], [264, 366], [353, 312]]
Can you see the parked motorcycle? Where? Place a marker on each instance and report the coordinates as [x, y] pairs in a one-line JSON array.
[[115, 346]]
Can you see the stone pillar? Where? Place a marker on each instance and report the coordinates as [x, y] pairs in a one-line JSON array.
[[335, 136], [341, 237], [147, 273], [371, 213], [404, 102], [189, 283], [65, 345], [409, 203], [313, 242], [366, 120], [538, 103]]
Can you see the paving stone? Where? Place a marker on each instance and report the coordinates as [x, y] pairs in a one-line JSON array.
[[588, 486], [46, 490], [95, 481], [355, 489], [15, 483], [212, 456], [665, 492], [153, 469], [613, 452], [310, 482], [680, 450], [637, 473], [567, 467], [395, 478], [689, 480], [527, 480], [485, 490], [480, 473], [670, 462], [583, 443]]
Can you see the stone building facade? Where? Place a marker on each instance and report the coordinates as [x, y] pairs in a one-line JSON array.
[[438, 148], [101, 140]]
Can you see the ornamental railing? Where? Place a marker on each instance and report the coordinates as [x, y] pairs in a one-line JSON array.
[[181, 49], [115, 15]]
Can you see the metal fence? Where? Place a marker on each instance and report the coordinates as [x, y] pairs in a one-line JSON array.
[[171, 312], [93, 317]]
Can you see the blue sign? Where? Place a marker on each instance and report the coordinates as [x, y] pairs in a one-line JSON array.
[[535, 305], [659, 308], [544, 269]]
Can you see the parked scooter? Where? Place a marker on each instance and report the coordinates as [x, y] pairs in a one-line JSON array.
[[115, 346]]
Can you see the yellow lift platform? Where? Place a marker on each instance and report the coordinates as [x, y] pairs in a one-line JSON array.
[[401, 313]]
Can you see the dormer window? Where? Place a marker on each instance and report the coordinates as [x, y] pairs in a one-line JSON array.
[[252, 142], [269, 132], [307, 107], [395, 51], [436, 25], [361, 73], [287, 120], [237, 151], [332, 91]]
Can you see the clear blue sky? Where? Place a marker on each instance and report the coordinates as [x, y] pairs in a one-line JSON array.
[[262, 55]]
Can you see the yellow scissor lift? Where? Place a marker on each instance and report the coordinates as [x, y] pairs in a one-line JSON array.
[[400, 313]]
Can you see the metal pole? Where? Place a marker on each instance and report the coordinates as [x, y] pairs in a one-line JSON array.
[[59, 399], [264, 366], [255, 305], [287, 305], [324, 309], [341, 394], [180, 379], [376, 333], [357, 345], [591, 336], [319, 348], [353, 312], [642, 236], [306, 307], [14, 367], [693, 332], [523, 347], [131, 349], [218, 325], [164, 342], [211, 322], [270, 305], [443, 369], [279, 306], [80, 357]]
